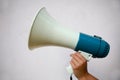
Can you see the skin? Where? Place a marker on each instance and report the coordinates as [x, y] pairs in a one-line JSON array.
[[79, 65]]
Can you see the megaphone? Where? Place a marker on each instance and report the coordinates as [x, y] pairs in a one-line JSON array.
[[46, 31]]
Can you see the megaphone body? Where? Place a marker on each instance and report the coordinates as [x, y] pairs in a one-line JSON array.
[[46, 31]]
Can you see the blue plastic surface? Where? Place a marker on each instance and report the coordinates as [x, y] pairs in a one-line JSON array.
[[93, 45]]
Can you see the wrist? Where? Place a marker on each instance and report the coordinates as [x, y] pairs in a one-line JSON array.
[[87, 76], [83, 77]]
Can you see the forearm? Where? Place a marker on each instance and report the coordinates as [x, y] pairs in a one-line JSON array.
[[87, 77]]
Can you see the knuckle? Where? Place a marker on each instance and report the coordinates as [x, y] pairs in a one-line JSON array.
[[84, 61], [77, 67]]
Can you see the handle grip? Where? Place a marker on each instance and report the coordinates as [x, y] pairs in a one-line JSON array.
[[87, 56]]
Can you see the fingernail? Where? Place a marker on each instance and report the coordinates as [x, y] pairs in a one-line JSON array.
[[71, 55]]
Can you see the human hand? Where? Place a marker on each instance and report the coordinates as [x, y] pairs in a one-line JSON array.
[[79, 65]]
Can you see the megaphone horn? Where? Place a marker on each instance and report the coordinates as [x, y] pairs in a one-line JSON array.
[[47, 31]]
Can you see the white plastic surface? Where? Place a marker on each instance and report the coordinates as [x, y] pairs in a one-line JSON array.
[[46, 31]]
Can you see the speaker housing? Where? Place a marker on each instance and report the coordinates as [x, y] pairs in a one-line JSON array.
[[46, 31]]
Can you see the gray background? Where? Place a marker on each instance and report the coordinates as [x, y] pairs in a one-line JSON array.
[[17, 62]]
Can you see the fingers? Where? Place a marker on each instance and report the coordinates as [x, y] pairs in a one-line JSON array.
[[79, 65], [72, 64], [77, 60], [78, 57]]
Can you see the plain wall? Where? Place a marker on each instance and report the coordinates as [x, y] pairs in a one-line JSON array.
[[94, 17]]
